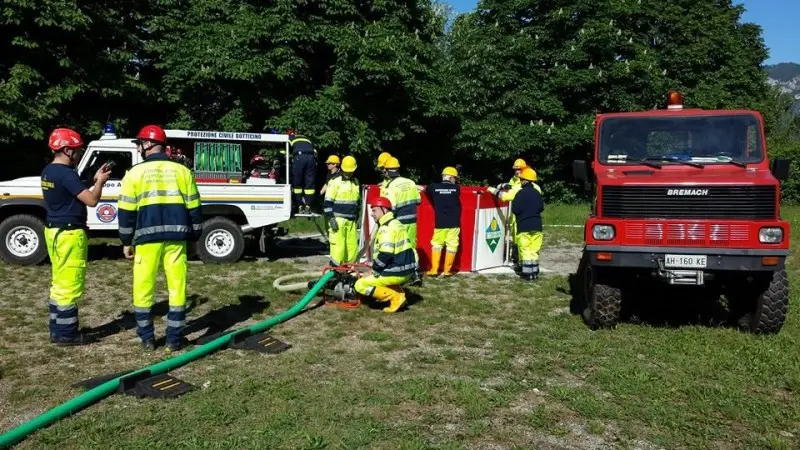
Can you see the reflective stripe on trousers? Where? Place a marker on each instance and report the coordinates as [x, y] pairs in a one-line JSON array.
[[344, 242], [148, 258], [528, 245], [68, 251]]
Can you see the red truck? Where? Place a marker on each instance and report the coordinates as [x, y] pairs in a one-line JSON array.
[[684, 197]]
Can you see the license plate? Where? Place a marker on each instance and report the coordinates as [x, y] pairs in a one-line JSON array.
[[685, 261]]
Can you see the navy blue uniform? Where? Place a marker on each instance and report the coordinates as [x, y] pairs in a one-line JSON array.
[[446, 201], [527, 207], [304, 169], [67, 247], [60, 187]]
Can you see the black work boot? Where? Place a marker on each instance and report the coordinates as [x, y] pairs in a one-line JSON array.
[[177, 346], [149, 344], [416, 278], [74, 341]]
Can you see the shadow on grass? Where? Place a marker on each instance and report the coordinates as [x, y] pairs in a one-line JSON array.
[[219, 321], [296, 247], [126, 321], [412, 298]]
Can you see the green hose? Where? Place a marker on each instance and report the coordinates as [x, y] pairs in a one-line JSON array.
[[110, 387]]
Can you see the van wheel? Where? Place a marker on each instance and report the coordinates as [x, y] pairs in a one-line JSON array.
[[23, 240], [222, 241]]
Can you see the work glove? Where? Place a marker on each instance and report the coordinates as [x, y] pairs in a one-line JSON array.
[[492, 190], [503, 186], [332, 223]]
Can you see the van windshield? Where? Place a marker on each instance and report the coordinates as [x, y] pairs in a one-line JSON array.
[[717, 139]]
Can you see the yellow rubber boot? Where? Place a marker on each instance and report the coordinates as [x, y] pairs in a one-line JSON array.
[[435, 257], [449, 259], [382, 294], [397, 300]]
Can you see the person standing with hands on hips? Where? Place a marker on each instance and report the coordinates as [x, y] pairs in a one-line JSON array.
[[66, 199], [159, 211]]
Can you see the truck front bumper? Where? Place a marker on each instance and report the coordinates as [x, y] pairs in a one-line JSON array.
[[716, 259]]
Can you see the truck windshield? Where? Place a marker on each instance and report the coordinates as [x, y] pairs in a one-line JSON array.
[[698, 140]]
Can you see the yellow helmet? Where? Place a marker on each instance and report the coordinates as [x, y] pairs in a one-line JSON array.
[[382, 158], [451, 171], [349, 164], [520, 164], [333, 159], [391, 163], [528, 174]]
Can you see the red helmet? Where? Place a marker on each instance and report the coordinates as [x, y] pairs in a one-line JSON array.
[[290, 132], [152, 133], [64, 138], [381, 202], [256, 159]]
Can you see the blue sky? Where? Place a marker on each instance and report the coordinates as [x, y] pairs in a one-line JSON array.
[[778, 20]]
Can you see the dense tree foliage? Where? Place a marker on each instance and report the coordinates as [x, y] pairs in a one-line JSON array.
[[534, 73], [514, 78]]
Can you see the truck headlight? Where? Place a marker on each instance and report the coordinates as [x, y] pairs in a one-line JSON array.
[[770, 235], [603, 232]]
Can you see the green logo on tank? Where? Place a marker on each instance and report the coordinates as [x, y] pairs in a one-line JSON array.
[[493, 234]]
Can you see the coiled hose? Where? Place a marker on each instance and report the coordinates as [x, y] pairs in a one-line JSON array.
[[109, 387], [299, 286]]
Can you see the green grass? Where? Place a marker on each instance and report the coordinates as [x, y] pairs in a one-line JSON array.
[[480, 361]]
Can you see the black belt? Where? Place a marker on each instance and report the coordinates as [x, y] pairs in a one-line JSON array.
[[65, 227]]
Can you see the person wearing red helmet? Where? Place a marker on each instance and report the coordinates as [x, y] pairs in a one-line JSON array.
[[159, 211], [394, 262], [66, 199]]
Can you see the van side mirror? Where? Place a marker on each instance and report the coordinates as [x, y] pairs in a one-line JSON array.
[[780, 168]]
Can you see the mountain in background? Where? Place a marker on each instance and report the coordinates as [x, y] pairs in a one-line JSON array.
[[787, 77]]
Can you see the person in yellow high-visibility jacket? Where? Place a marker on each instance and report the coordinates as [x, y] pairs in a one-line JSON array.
[[65, 200], [506, 192], [333, 164], [394, 262], [405, 197], [341, 209], [159, 211], [382, 158]]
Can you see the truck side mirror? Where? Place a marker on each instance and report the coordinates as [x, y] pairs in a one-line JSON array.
[[579, 171], [780, 168]]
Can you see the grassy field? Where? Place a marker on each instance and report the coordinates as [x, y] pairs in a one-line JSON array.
[[475, 362]]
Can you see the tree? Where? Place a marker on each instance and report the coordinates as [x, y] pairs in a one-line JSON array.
[[352, 75], [65, 63], [531, 74]]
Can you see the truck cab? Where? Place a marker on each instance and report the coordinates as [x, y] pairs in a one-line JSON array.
[[685, 197], [235, 202]]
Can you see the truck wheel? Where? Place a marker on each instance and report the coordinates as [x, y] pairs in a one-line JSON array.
[[222, 241], [771, 303], [23, 240], [603, 299]]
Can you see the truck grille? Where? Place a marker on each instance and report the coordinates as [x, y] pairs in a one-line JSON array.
[[680, 234], [719, 202]]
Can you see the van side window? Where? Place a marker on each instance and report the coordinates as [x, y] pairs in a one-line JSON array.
[[123, 160]]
